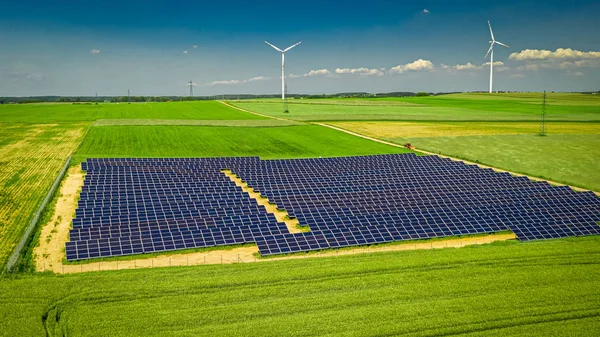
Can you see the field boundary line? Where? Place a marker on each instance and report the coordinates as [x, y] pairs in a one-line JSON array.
[[34, 222], [259, 114], [454, 158]]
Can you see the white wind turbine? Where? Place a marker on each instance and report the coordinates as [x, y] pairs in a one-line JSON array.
[[491, 50], [283, 65]]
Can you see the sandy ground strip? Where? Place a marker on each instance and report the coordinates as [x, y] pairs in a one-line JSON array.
[[49, 254], [281, 215], [248, 255]]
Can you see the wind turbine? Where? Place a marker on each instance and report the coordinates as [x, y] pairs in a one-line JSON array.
[[491, 50], [283, 65]]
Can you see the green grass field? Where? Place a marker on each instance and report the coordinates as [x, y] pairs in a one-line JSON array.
[[569, 159], [52, 113], [205, 141], [463, 107], [507, 288], [535, 289]]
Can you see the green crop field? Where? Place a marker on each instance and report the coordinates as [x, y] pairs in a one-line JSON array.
[[506, 288], [463, 107], [539, 288], [50, 113], [31, 155], [207, 141]]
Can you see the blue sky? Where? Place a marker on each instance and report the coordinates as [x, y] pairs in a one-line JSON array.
[[155, 47]]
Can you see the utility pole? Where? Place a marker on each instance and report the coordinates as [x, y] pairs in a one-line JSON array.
[[543, 122], [128, 97], [285, 104]]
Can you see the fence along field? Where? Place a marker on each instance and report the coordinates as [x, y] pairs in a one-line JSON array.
[[538, 288], [32, 155]]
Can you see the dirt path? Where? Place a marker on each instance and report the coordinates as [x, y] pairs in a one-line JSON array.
[[259, 114], [455, 159], [281, 215], [51, 250]]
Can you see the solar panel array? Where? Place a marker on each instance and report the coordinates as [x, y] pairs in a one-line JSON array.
[[376, 199], [131, 206]]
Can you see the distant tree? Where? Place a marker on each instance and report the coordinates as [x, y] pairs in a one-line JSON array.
[[421, 94]]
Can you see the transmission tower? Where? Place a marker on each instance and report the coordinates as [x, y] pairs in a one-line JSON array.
[[128, 97], [543, 122], [285, 103], [191, 84]]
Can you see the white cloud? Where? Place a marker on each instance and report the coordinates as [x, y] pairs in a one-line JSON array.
[[560, 53], [417, 65], [318, 72], [226, 82], [576, 73], [425, 11], [185, 51], [195, 46], [498, 66], [516, 75], [95, 51], [234, 82], [359, 71], [258, 78], [292, 75], [36, 77], [468, 66]]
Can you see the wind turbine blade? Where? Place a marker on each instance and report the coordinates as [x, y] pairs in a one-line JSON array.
[[502, 44], [489, 50], [290, 47], [279, 50], [491, 33]]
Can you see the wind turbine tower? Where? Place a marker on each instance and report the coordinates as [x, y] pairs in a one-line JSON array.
[[491, 53], [283, 65]]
